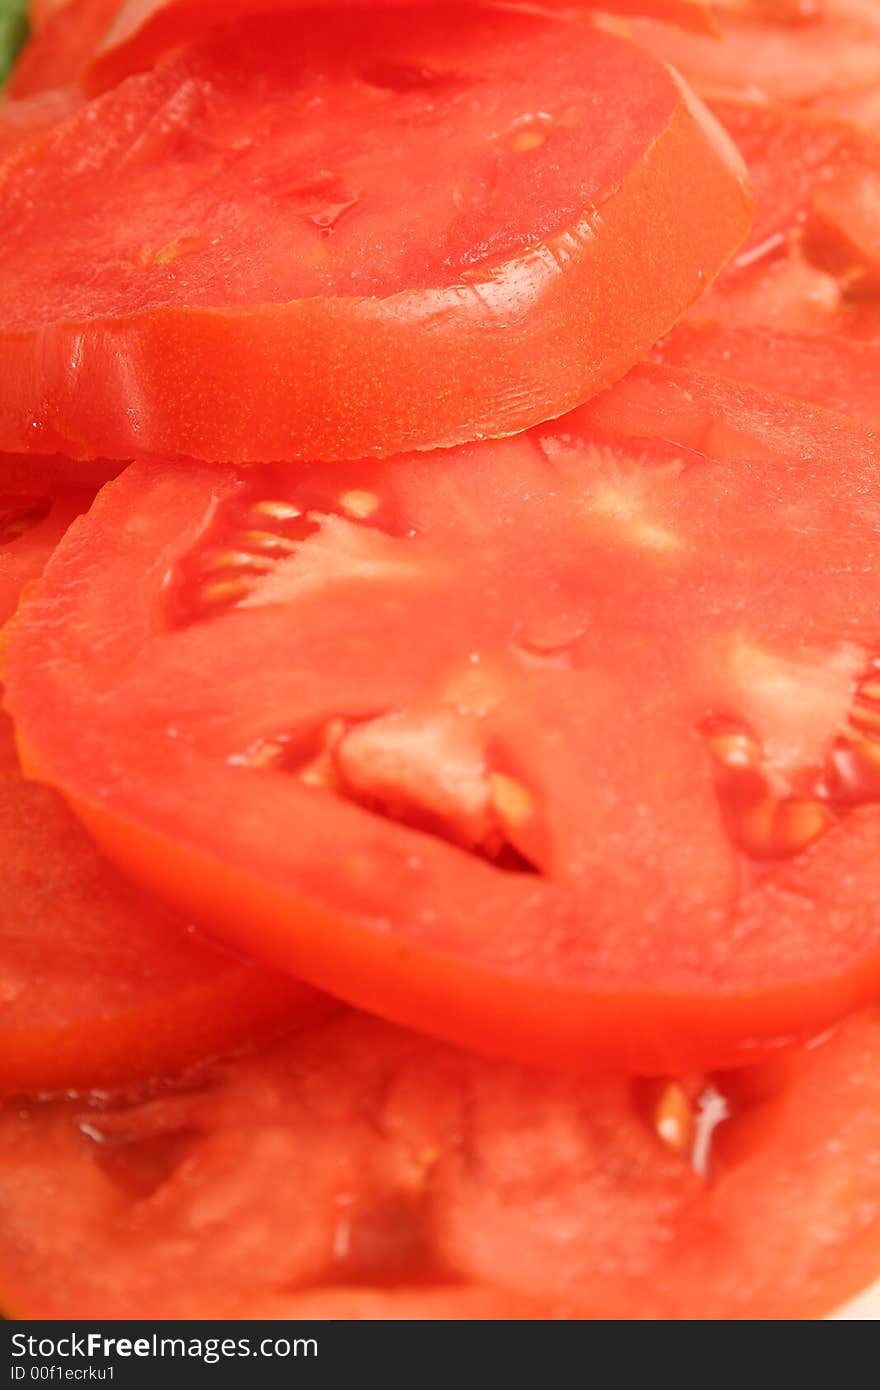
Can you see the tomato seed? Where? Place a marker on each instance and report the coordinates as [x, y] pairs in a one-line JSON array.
[[225, 593], [215, 560], [510, 799], [278, 512], [359, 505], [674, 1119]]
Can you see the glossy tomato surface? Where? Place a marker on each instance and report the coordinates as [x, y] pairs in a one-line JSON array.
[[555, 747], [361, 1171], [270, 296], [97, 985], [145, 29]]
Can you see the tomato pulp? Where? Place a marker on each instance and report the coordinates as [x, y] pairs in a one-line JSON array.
[[831, 51], [267, 304], [24, 123], [145, 29], [812, 260], [361, 1171], [551, 746], [39, 497], [838, 374], [97, 985]]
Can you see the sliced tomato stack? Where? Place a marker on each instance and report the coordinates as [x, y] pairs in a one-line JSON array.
[[440, 784]]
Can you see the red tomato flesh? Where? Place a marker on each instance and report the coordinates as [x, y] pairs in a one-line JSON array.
[[812, 260], [58, 51], [23, 123], [267, 298], [835, 373], [554, 746], [39, 498], [358, 1170], [143, 30], [97, 986], [835, 51]]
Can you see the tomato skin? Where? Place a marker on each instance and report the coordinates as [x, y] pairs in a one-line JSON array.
[[145, 29], [370, 1172], [651, 1032], [456, 1303], [151, 1000], [374, 376]]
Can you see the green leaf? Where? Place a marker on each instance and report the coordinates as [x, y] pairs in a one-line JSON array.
[[13, 32]]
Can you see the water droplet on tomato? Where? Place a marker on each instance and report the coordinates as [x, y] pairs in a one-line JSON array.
[[530, 131], [549, 642], [359, 503], [326, 215], [405, 78]]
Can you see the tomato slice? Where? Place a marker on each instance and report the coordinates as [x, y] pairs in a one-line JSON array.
[[567, 811], [358, 1170], [65, 42], [263, 304], [39, 498], [812, 261], [143, 30], [102, 41], [717, 411], [833, 52], [96, 986], [835, 373]]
